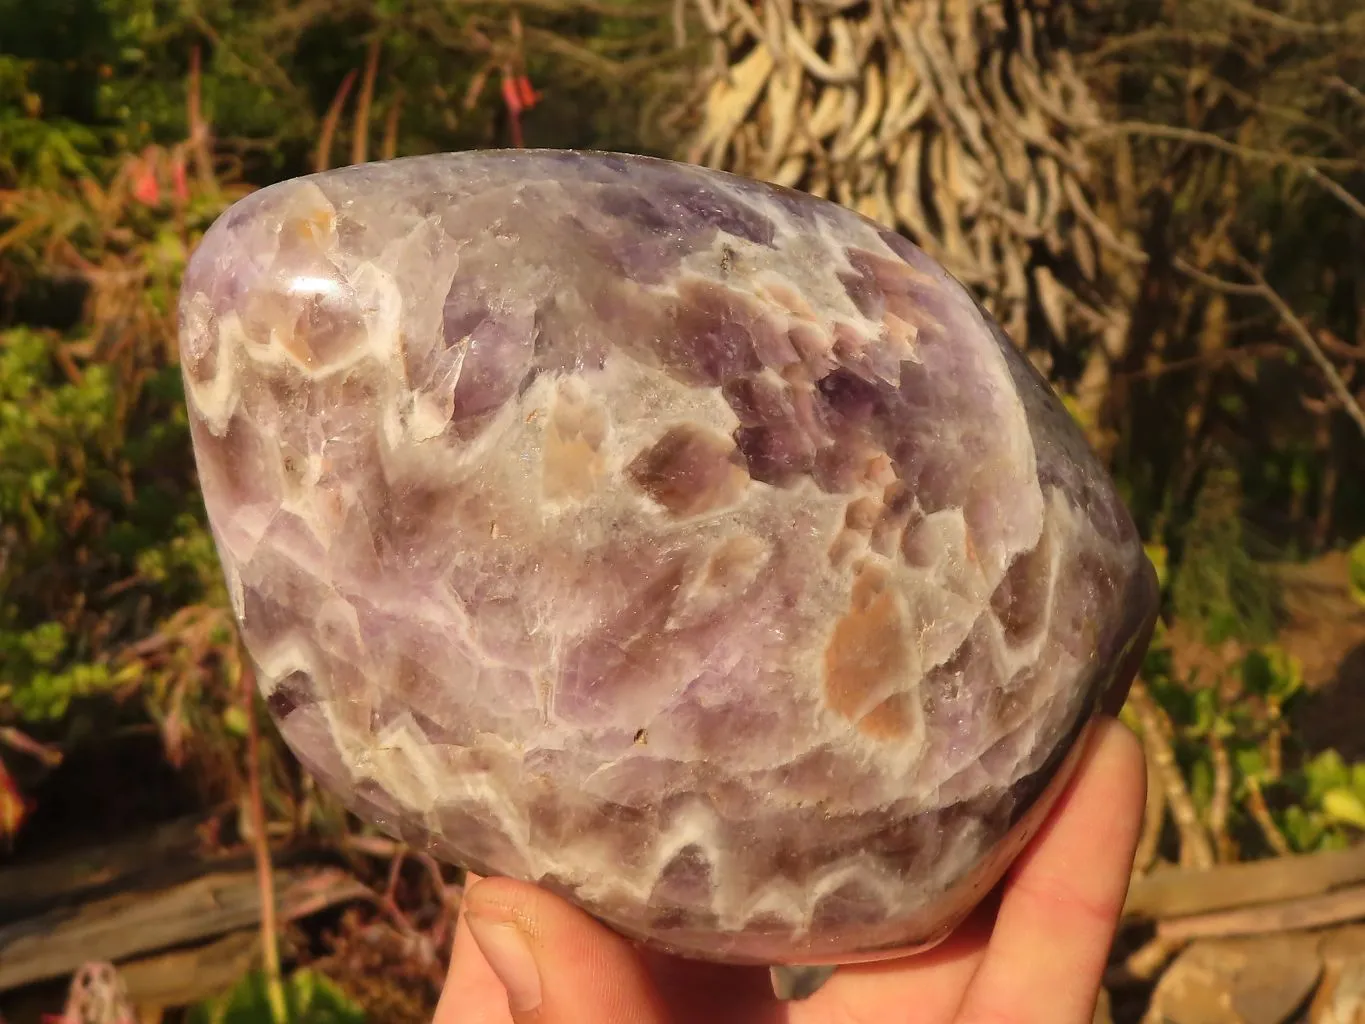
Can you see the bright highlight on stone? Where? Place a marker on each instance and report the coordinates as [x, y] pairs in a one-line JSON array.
[[694, 547]]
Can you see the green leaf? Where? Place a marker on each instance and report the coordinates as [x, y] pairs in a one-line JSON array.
[[1271, 671], [1303, 830], [1205, 710], [1159, 556], [318, 1000], [1345, 807], [311, 998], [1323, 774], [235, 721], [1356, 570], [1250, 762], [1201, 784]]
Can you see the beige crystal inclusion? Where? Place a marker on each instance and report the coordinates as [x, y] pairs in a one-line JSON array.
[[691, 546]]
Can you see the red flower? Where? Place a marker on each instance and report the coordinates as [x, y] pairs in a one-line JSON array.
[[518, 93], [529, 97], [146, 189], [511, 96]]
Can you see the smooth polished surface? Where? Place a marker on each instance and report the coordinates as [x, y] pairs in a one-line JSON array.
[[694, 547]]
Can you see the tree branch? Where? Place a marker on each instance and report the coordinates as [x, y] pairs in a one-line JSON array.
[[1178, 133], [1354, 204], [1287, 24], [1309, 344]]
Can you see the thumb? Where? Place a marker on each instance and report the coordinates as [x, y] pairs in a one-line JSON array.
[[555, 963]]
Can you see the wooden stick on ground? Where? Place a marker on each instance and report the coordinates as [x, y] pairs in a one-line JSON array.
[[1289, 915], [133, 923], [27, 889], [1148, 960], [183, 977], [1164, 894]]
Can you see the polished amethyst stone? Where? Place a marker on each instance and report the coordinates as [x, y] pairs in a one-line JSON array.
[[694, 547]]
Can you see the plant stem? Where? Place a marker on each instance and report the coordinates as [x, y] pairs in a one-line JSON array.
[[1220, 807], [1260, 813], [1153, 816], [260, 843], [1157, 732]]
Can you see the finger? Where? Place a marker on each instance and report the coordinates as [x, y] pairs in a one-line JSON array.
[[472, 993], [1063, 897], [553, 963], [929, 983]]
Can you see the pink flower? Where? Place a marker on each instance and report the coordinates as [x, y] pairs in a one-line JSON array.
[[146, 189]]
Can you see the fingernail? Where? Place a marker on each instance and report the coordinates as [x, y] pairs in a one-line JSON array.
[[508, 952]]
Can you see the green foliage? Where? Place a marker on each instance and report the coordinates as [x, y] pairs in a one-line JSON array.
[[109, 583], [1356, 570], [1218, 583], [311, 998], [49, 431], [1160, 557], [1319, 803], [1271, 674], [72, 482], [1329, 805], [41, 150], [103, 541], [33, 684], [111, 597], [114, 78], [1244, 129]]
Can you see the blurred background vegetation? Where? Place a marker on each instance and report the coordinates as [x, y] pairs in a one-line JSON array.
[[1161, 199]]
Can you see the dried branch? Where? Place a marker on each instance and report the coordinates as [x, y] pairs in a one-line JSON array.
[[1153, 822], [1260, 813], [1332, 343], [1352, 203], [1173, 893], [1147, 961], [1346, 88], [631, 9], [1310, 346], [601, 67], [1287, 24], [1207, 360], [1160, 36], [1213, 281], [322, 159], [1220, 806], [1157, 734], [260, 844], [1177, 133], [1290, 915], [199, 142], [47, 756], [389, 147], [360, 133]]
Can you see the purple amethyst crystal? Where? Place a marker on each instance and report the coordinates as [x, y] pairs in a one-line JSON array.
[[693, 547]]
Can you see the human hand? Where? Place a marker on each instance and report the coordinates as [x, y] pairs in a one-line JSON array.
[[1033, 955]]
